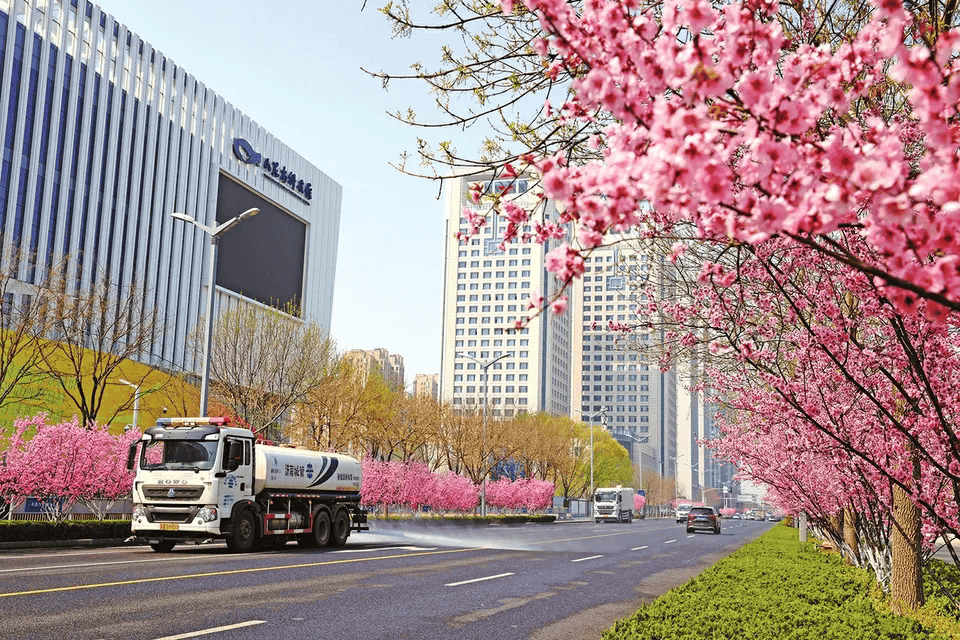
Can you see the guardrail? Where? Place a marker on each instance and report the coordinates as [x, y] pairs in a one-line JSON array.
[[75, 517]]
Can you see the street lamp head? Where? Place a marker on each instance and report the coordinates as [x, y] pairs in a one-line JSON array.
[[249, 213], [488, 363], [184, 217]]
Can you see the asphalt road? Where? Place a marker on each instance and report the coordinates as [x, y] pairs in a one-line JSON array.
[[557, 581]]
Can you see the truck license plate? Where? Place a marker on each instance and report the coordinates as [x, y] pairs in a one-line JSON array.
[[167, 526]]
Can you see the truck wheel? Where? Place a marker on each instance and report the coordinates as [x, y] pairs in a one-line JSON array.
[[341, 529], [244, 534], [162, 546], [321, 527]]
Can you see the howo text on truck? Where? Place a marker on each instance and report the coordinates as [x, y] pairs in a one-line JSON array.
[[200, 479]]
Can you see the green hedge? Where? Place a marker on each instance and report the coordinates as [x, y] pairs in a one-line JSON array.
[[13, 531], [774, 587]]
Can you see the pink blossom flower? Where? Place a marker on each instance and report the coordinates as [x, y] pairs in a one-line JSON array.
[[565, 262]]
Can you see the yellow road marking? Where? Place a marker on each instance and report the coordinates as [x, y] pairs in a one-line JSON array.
[[227, 572]]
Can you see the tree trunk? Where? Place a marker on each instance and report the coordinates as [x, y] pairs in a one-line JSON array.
[[850, 535], [906, 586]]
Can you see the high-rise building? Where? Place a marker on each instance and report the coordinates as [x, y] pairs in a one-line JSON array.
[[428, 385], [486, 289], [580, 363], [397, 373], [618, 383], [366, 363], [105, 137]]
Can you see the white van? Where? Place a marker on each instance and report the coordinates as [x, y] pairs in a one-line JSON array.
[[682, 511]]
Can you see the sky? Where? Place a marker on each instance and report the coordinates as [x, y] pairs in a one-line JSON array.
[[295, 67]]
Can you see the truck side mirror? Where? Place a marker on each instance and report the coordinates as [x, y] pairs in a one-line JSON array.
[[132, 455], [234, 455]]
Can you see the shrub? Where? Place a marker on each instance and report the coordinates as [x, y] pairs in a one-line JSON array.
[[51, 531], [774, 587]]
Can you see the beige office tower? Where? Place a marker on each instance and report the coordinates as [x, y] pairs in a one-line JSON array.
[[618, 384], [486, 289]]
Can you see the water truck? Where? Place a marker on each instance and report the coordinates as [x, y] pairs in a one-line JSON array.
[[200, 479]]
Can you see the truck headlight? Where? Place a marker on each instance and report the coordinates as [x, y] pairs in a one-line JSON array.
[[207, 514], [139, 513]]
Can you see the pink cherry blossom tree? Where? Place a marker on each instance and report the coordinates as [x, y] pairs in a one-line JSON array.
[[412, 485], [524, 493], [724, 122], [639, 502], [725, 126], [836, 398], [62, 464]]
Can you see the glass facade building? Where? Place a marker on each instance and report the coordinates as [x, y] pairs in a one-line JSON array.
[[104, 137]]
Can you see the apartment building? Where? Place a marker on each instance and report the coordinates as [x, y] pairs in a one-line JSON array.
[[618, 382], [486, 289], [367, 362], [427, 385]]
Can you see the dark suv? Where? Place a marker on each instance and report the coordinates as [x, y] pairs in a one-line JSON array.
[[703, 518]]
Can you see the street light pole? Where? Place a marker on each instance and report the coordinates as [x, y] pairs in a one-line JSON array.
[[640, 442], [692, 467], [136, 400], [603, 420], [486, 402], [214, 233]]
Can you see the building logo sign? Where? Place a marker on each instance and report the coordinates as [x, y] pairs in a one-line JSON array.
[[246, 154]]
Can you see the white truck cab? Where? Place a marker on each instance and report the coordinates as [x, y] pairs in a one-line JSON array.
[[613, 504]]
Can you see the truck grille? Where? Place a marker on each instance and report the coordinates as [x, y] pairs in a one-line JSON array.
[[178, 492], [180, 516]]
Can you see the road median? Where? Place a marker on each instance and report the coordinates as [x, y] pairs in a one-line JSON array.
[[777, 587]]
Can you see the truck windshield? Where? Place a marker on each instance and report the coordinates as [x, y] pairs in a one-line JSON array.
[[179, 454], [607, 496]]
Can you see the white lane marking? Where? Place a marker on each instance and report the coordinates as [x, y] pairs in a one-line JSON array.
[[101, 551], [669, 541], [203, 632], [691, 535], [587, 558], [457, 584], [406, 548], [639, 548]]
